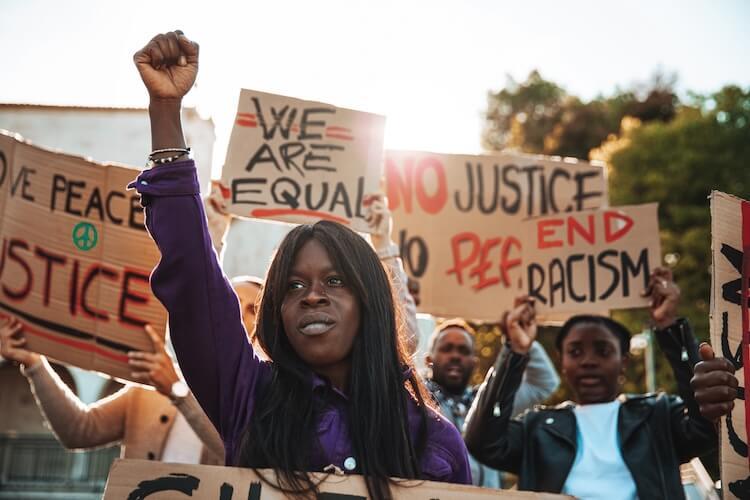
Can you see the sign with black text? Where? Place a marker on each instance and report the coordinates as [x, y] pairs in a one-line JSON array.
[[300, 161], [76, 257], [730, 329], [142, 479], [460, 221], [595, 260]]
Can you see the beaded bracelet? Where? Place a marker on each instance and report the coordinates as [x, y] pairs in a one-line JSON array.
[[167, 159], [155, 152]]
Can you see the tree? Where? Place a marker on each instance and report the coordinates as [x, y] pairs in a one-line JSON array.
[[522, 114], [677, 163], [538, 116]]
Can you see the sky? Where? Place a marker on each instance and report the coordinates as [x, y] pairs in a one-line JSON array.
[[426, 65]]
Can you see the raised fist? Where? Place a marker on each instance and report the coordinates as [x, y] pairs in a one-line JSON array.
[[168, 65]]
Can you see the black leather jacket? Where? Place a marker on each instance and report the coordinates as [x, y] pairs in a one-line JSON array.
[[657, 432]]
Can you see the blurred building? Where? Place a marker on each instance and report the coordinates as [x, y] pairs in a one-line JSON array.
[[105, 134], [33, 465]]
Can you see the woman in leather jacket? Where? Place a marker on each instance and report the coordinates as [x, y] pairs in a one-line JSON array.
[[601, 445]]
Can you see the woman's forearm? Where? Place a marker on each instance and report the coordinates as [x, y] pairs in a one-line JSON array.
[[166, 124]]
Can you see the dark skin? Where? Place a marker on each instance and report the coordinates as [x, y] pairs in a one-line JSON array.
[[452, 360], [168, 66], [714, 384], [591, 357], [592, 363], [321, 314]]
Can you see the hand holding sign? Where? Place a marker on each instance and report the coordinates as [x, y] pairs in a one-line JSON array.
[[714, 384], [665, 297], [154, 368], [168, 65], [519, 325], [13, 342], [378, 217]]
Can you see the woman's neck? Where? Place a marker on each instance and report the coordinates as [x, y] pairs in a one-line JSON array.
[[337, 374]]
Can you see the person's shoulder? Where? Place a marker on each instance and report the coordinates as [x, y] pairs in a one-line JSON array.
[[543, 412], [649, 400]]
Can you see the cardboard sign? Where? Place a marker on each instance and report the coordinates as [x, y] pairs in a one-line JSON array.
[[459, 221], [582, 262], [141, 479], [76, 258], [301, 161], [730, 330]]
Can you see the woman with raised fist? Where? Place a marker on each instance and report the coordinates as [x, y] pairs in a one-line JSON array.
[[339, 391]]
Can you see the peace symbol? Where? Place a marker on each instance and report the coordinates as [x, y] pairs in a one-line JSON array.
[[85, 236]]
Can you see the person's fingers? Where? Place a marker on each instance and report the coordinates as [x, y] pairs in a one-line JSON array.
[[521, 299], [169, 57], [145, 366], [716, 378], [371, 198], [17, 343], [663, 273], [155, 338], [706, 351], [13, 328], [141, 377], [174, 48], [713, 365], [189, 48], [719, 394], [378, 205], [713, 411], [141, 355], [153, 55]]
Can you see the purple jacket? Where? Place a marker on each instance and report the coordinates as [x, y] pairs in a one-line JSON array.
[[206, 327]]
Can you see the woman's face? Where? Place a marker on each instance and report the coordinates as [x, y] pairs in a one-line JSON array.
[[248, 295], [320, 313], [592, 363]]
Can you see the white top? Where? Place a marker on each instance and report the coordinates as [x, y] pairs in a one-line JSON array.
[[599, 471], [183, 446]]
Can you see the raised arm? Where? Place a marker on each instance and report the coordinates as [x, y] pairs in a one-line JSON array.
[[77, 425], [204, 316], [694, 435], [490, 433], [381, 221], [539, 381]]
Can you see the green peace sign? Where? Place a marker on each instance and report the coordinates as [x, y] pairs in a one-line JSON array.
[[85, 236]]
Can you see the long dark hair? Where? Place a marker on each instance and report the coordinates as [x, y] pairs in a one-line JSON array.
[[282, 432]]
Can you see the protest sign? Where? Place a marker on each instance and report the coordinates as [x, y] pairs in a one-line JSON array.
[[591, 260], [301, 161], [730, 329], [459, 221], [76, 257], [141, 479]]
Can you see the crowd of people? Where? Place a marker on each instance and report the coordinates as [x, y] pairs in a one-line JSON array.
[[311, 368]]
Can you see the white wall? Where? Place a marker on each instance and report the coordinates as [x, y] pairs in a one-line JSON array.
[[105, 134]]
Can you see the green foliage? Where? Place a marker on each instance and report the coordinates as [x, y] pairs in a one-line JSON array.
[[673, 153], [678, 164]]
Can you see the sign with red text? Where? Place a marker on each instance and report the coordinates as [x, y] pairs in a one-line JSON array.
[[459, 221], [593, 260], [301, 161], [730, 328], [76, 257], [143, 479]]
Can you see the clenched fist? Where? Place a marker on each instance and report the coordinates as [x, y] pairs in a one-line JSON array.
[[168, 65]]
